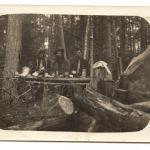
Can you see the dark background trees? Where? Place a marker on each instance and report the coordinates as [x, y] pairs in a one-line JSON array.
[[114, 38]]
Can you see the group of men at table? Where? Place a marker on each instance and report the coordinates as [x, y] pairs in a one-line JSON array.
[[59, 67]]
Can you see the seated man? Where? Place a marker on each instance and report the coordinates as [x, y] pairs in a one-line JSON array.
[[60, 67], [79, 66], [41, 65]]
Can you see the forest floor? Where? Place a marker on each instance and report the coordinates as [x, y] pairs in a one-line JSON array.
[[22, 113], [25, 112]]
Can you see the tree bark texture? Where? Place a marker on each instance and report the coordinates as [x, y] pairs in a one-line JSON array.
[[110, 113], [13, 48]]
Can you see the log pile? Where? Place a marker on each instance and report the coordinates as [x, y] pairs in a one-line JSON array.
[[95, 112], [111, 114]]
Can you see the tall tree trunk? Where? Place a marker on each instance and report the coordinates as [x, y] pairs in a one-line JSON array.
[[133, 39], [51, 37], [123, 41], [107, 41], [118, 63], [122, 36], [61, 39], [91, 49], [114, 37], [13, 47], [86, 40], [72, 35], [81, 30], [143, 35]]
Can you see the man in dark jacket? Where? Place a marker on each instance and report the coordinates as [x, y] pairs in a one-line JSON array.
[[41, 65], [60, 67], [79, 64]]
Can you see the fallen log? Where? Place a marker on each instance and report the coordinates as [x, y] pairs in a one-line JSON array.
[[111, 114], [143, 106], [81, 122], [57, 105], [52, 116], [53, 123]]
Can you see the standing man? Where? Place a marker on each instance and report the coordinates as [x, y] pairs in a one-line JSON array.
[[60, 67], [79, 64], [41, 64]]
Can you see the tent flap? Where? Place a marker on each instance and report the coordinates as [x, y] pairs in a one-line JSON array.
[[137, 61]]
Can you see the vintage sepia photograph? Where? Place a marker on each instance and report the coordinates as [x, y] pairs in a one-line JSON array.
[[74, 73]]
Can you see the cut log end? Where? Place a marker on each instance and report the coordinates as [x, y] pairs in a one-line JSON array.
[[66, 105]]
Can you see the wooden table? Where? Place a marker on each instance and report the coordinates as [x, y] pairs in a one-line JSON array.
[[57, 81]]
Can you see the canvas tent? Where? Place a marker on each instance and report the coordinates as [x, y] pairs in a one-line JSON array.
[[137, 61], [136, 78]]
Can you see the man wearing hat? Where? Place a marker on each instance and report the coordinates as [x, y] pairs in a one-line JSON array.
[[79, 64], [41, 64], [60, 67]]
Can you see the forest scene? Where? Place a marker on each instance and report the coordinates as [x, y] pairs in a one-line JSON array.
[[74, 73]]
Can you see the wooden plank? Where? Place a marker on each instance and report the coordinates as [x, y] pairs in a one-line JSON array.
[[54, 83], [57, 79]]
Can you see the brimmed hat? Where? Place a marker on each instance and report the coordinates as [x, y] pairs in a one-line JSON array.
[[59, 50]]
